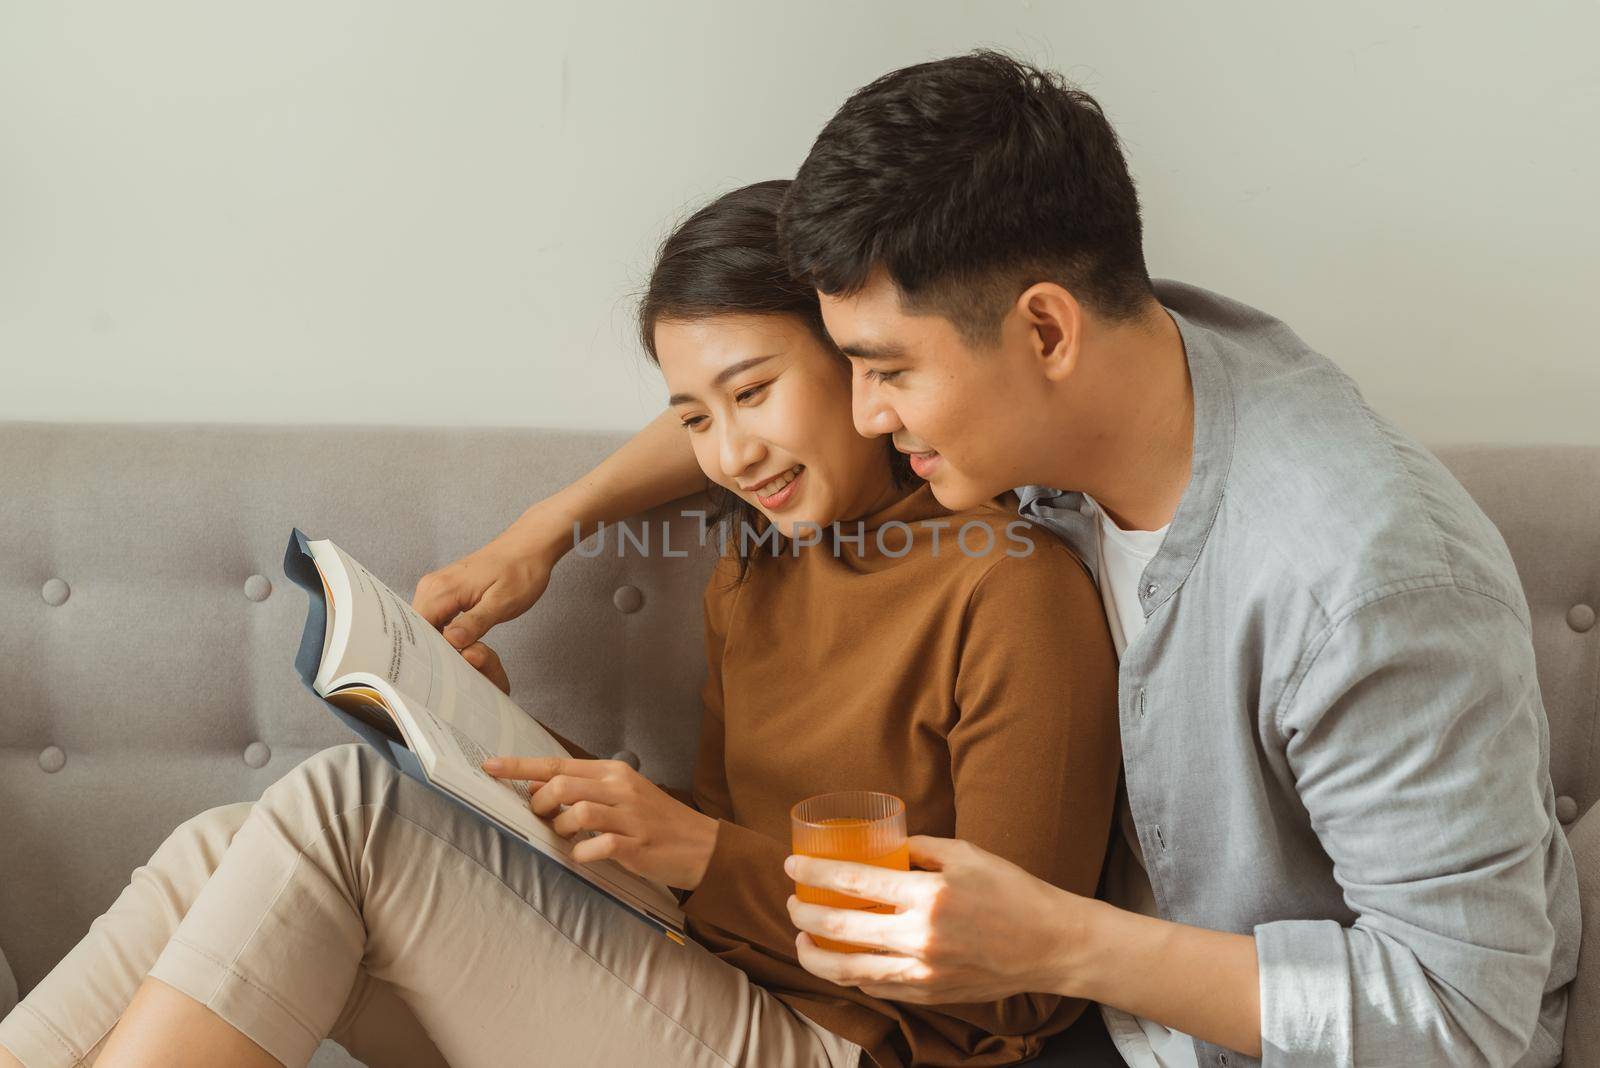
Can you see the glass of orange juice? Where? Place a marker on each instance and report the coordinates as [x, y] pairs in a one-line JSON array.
[[858, 825]]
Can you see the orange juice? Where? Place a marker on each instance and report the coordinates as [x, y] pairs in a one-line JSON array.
[[852, 839]]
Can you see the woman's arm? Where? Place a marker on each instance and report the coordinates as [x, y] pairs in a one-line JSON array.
[[1035, 755], [504, 578]]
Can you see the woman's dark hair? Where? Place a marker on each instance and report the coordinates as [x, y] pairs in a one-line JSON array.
[[969, 179], [724, 260]]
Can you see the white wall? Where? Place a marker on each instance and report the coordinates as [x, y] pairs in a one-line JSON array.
[[437, 212]]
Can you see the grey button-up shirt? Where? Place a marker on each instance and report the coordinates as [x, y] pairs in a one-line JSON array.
[[1332, 731]]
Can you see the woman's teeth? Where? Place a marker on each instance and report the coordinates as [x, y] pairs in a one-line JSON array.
[[769, 489]]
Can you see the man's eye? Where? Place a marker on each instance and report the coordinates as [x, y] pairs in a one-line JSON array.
[[875, 375], [754, 391]]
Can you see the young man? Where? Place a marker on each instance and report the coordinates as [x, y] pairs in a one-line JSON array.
[[1339, 841]]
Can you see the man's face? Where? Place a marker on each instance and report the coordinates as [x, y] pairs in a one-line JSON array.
[[965, 416]]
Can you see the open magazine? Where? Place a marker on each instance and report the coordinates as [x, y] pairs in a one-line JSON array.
[[409, 694]]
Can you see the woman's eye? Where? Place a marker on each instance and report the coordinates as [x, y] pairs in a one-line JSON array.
[[875, 375], [694, 422], [754, 391]]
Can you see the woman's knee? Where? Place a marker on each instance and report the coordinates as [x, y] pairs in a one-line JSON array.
[[202, 837], [333, 781]]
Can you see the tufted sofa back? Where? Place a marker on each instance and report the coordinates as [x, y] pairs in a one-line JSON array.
[[146, 631]]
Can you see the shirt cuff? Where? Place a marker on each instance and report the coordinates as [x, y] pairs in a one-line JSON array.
[[745, 890], [1307, 1013]]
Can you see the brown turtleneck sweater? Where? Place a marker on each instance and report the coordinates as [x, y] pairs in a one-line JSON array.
[[981, 690]]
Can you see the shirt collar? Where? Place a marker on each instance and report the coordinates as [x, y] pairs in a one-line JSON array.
[[1208, 472]]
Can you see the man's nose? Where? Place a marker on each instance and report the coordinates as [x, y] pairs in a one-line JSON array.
[[872, 416]]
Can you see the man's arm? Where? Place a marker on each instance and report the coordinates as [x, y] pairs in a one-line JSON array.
[[963, 916], [1416, 740], [504, 578]]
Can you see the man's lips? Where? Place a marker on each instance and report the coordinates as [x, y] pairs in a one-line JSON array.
[[924, 463]]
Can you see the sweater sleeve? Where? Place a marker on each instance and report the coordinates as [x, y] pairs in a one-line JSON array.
[[1035, 752], [745, 875]]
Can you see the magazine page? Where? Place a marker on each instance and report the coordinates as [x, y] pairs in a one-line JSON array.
[[450, 714]]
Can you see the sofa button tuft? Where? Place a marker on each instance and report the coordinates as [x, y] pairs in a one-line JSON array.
[[1566, 809], [257, 587], [628, 599], [52, 759], [256, 754], [1580, 617], [628, 757], [55, 592]]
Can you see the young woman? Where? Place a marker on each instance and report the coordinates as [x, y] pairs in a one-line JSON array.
[[880, 643]]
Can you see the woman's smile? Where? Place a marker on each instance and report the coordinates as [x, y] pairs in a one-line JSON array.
[[777, 493]]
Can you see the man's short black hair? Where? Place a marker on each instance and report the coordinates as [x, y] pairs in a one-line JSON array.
[[969, 179]]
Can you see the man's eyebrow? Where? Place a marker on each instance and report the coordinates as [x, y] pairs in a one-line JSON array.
[[733, 370], [863, 351]]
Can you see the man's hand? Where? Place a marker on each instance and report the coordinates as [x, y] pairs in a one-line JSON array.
[[496, 583], [633, 821], [973, 927], [487, 661], [503, 579]]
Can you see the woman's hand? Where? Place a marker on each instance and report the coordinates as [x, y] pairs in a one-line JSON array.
[[975, 927], [631, 819]]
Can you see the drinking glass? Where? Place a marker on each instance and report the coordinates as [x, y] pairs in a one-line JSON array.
[[858, 825]]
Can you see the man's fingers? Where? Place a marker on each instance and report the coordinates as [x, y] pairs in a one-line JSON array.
[[931, 854], [441, 594], [487, 661], [888, 885], [852, 969], [872, 929], [471, 625]]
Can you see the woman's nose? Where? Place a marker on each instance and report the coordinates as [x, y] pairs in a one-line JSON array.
[[739, 452]]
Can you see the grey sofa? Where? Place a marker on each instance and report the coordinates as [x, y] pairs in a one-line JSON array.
[[147, 631]]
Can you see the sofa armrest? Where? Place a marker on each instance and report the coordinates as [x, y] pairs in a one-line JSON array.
[[1582, 1045], [8, 987]]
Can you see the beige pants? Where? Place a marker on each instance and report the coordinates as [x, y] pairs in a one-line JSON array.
[[353, 903]]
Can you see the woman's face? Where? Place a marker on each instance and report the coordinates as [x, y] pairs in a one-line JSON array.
[[767, 407]]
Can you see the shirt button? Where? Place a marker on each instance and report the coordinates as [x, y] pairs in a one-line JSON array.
[[1150, 590]]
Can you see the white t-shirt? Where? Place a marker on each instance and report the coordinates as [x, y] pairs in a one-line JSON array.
[[1124, 554]]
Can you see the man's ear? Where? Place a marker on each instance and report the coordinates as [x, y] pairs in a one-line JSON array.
[[1054, 321]]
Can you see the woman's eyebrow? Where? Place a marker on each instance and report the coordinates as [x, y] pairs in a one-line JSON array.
[[733, 370]]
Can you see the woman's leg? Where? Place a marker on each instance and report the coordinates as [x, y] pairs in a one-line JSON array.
[[64, 1021], [503, 956]]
